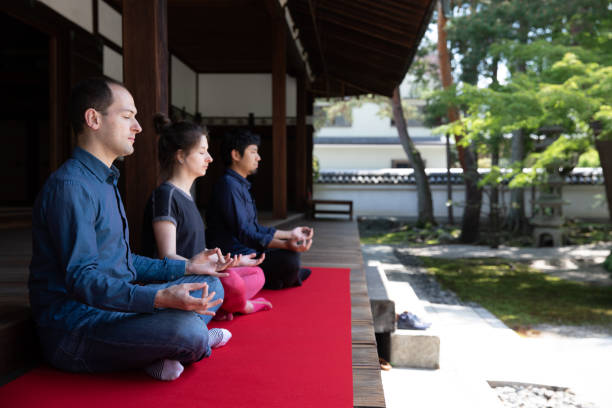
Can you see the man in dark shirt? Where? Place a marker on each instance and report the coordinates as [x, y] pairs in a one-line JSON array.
[[231, 217], [92, 305]]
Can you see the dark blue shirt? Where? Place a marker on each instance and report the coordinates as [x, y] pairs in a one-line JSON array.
[[81, 262], [231, 217]]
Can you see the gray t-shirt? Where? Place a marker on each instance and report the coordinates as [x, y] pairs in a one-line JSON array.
[[170, 203]]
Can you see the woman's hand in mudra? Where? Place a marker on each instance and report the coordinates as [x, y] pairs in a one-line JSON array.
[[210, 262], [250, 259]]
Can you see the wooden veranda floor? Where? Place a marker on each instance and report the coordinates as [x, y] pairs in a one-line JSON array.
[[336, 244]]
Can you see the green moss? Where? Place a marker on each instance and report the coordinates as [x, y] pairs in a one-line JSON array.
[[410, 235], [522, 297], [580, 233], [397, 232]]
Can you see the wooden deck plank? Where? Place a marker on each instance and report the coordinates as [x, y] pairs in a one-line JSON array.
[[336, 245], [367, 388], [362, 333]]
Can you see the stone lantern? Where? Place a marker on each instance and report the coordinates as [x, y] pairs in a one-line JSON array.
[[548, 219]]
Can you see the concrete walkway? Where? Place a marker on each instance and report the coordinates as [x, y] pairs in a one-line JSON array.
[[476, 347]]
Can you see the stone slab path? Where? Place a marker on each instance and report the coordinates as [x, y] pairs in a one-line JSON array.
[[476, 347]]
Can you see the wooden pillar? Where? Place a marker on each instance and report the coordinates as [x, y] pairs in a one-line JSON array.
[[279, 120], [145, 74], [301, 194], [309, 146]]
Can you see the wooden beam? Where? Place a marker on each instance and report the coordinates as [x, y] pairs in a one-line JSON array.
[[145, 72], [279, 120], [315, 26], [398, 29], [276, 12], [377, 9], [343, 38], [301, 194]]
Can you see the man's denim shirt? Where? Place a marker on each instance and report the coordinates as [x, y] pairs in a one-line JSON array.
[[81, 263], [231, 217]]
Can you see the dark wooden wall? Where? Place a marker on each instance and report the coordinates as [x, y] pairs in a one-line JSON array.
[[57, 54], [262, 181]]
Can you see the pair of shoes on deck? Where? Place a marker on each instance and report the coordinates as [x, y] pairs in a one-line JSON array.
[[410, 321], [170, 370]]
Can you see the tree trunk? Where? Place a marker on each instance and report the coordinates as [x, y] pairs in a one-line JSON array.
[[604, 148], [445, 73], [470, 225], [516, 221], [425, 205], [467, 157], [449, 183], [494, 202]]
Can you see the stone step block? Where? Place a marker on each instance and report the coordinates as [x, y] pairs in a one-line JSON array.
[[415, 349]]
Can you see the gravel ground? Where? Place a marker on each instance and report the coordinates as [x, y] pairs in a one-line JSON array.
[[531, 396], [424, 285]]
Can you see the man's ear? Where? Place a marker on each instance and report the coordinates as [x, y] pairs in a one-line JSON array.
[[92, 119], [236, 156]]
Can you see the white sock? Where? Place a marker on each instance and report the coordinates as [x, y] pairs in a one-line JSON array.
[[218, 337], [165, 370]]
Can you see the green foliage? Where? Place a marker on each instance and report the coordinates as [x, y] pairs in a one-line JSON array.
[[315, 168], [391, 231], [604, 116], [568, 95], [590, 158], [559, 56], [493, 178], [585, 233], [520, 296], [561, 156], [524, 33]]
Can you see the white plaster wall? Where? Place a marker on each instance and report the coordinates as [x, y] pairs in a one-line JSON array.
[[367, 123], [237, 95], [401, 200], [79, 12], [112, 64], [585, 199], [183, 82], [291, 95], [110, 23], [370, 157]]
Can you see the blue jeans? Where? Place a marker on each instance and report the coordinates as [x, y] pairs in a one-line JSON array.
[[120, 341]]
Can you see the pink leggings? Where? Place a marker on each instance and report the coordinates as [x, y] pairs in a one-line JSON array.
[[241, 285]]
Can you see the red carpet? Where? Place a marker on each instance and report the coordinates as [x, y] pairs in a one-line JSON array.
[[296, 355]]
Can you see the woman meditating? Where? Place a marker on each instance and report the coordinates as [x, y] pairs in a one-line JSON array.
[[173, 226]]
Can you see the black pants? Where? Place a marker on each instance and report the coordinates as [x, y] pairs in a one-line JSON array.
[[281, 268]]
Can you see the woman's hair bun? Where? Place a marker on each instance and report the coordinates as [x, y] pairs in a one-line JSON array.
[[160, 121]]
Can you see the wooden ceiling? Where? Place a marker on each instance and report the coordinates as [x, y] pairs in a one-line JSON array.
[[366, 46], [354, 46]]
